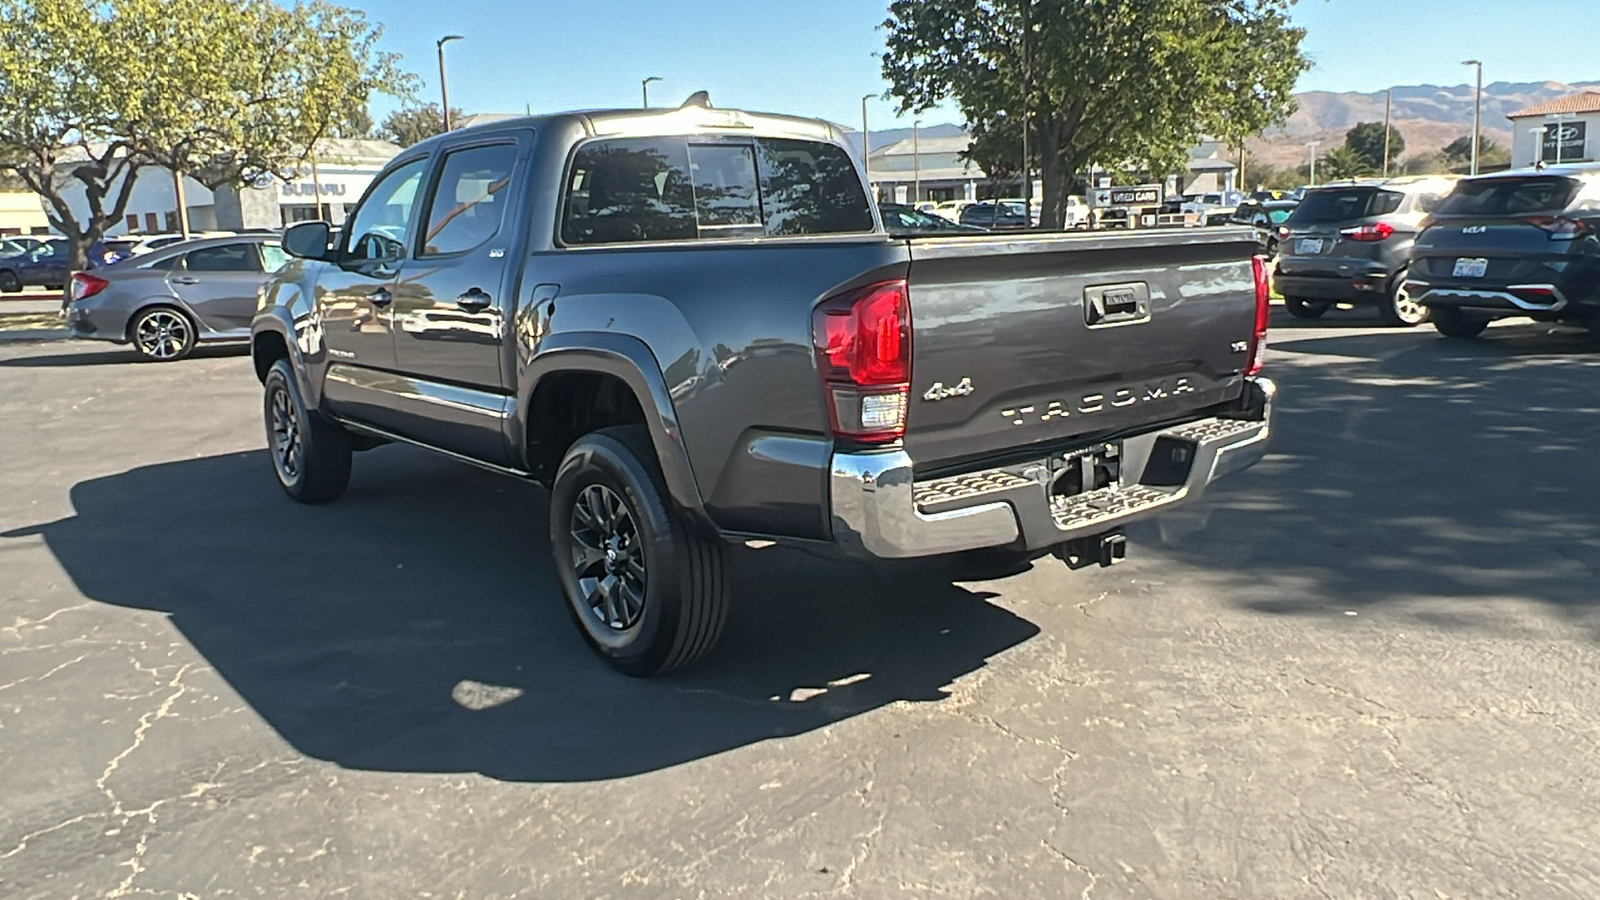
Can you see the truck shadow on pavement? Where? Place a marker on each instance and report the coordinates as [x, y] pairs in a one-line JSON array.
[[1435, 479], [416, 625]]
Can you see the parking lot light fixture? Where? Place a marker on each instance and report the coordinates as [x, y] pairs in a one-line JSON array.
[[1311, 147], [444, 83], [1477, 114], [645, 86]]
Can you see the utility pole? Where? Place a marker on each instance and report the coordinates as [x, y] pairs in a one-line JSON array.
[[444, 83], [1312, 146], [645, 86], [1477, 114], [1388, 106], [916, 164]]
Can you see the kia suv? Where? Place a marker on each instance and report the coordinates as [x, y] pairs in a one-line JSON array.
[[1350, 242], [1519, 243]]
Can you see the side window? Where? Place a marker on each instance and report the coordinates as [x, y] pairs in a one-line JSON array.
[[633, 189], [170, 264], [808, 187], [725, 201], [1385, 202], [377, 232], [468, 205], [226, 258], [273, 258]]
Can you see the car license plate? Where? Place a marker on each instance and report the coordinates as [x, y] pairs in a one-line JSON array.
[[1472, 268], [1308, 246]]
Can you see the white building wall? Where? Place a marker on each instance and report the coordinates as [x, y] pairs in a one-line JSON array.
[[1525, 142]]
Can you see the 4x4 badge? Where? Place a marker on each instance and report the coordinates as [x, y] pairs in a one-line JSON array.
[[940, 392]]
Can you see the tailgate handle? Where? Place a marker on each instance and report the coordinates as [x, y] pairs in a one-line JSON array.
[[1116, 304]]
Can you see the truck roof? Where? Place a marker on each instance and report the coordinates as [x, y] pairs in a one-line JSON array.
[[687, 119]]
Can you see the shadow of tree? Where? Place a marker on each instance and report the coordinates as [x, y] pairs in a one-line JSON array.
[[416, 625], [1433, 476]]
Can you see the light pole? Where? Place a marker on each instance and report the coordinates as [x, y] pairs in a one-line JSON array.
[[444, 84], [1388, 106], [916, 163], [866, 140], [1312, 147], [645, 86], [1538, 132], [1477, 113]]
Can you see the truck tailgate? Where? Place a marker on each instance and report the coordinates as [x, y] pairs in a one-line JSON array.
[[1049, 340]]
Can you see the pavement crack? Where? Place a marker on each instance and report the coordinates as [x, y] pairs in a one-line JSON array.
[[41, 677], [1071, 863]]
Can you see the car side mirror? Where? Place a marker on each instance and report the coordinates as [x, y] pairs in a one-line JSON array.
[[308, 240]]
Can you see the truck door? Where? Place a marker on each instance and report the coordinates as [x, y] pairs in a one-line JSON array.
[[355, 298], [453, 300]]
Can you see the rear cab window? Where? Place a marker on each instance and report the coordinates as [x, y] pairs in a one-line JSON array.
[[1334, 205], [628, 190], [1533, 195]]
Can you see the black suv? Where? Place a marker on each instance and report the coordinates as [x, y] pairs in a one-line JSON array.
[[1350, 242], [1521, 243]]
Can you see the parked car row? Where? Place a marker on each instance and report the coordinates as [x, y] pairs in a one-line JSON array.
[[44, 262]]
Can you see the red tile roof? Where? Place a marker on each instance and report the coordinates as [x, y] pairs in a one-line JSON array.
[[1584, 102]]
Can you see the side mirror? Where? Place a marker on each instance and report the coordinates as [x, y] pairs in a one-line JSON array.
[[308, 240]]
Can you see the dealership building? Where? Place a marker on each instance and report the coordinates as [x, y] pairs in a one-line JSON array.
[[1560, 131]]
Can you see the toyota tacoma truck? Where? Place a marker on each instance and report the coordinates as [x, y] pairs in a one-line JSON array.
[[691, 325]]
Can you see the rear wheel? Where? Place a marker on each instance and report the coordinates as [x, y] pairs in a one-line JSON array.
[[1306, 309], [1457, 324], [1402, 309], [644, 586], [162, 334], [9, 282], [310, 455]]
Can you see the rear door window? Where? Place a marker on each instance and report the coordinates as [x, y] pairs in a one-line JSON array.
[[1509, 196], [468, 205], [1344, 205], [226, 258]]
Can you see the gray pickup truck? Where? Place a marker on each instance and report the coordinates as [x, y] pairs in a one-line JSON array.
[[691, 325]]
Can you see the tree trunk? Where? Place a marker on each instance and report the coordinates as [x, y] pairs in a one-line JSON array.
[[1053, 207]]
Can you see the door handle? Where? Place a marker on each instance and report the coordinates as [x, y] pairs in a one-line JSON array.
[[474, 300], [185, 279], [380, 297]]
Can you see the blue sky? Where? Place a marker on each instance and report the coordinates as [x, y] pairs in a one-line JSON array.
[[815, 57]]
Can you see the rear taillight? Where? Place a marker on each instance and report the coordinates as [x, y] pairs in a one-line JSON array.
[[1379, 231], [1559, 228], [1283, 232], [1258, 337], [85, 285], [863, 345]]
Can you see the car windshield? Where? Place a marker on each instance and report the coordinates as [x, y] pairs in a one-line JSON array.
[[1509, 196], [1344, 205]]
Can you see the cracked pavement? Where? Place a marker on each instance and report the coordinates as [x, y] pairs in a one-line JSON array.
[[1366, 668]]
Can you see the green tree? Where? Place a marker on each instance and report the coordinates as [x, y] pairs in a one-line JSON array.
[[1342, 163], [1114, 82], [412, 124], [1458, 153], [1366, 141]]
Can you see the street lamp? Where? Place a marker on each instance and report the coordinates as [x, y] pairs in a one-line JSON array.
[[645, 86], [1312, 147], [1477, 114], [866, 140], [916, 163], [1388, 106], [444, 84]]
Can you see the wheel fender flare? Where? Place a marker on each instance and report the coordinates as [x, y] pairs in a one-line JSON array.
[[630, 360], [276, 320]]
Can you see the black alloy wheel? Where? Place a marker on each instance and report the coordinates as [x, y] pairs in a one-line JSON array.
[[644, 584], [310, 455], [1306, 309]]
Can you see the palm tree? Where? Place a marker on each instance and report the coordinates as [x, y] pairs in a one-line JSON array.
[[1342, 163]]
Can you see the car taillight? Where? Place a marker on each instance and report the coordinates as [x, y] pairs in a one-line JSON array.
[[1258, 337], [863, 345], [1283, 232], [85, 285], [1559, 228], [1380, 231]]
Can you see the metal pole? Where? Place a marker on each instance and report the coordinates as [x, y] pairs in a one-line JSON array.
[[645, 86], [866, 141], [1477, 114], [444, 83], [183, 206], [1312, 146], [1388, 105], [1027, 85], [916, 164]]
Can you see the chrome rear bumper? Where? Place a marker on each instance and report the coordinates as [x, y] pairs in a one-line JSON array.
[[879, 509]]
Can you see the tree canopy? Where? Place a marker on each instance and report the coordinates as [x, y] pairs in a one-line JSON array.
[[412, 124], [1344, 162], [229, 91], [1102, 81], [1366, 141]]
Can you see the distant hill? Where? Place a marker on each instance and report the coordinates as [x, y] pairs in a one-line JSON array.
[[1428, 115]]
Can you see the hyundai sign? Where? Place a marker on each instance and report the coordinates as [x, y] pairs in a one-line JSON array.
[[1564, 142]]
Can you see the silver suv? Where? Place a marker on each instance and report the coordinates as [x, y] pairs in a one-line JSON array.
[[1350, 242]]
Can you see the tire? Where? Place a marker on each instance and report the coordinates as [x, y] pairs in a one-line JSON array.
[[9, 282], [611, 522], [310, 455], [1457, 324], [1400, 310], [162, 334], [1306, 309]]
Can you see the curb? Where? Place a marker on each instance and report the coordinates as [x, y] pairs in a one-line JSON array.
[[34, 335]]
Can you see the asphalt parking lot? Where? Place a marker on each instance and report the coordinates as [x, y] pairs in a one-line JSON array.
[[1367, 668]]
